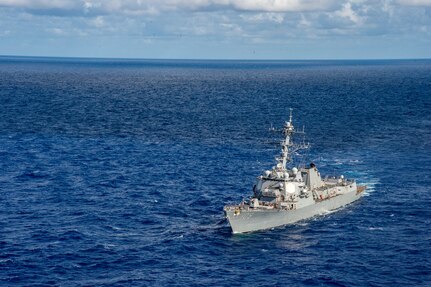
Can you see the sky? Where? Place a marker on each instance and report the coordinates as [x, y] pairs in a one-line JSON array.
[[217, 29]]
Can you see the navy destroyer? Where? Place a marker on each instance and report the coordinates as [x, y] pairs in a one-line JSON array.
[[286, 194]]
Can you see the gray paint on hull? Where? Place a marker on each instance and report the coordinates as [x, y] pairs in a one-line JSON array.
[[255, 219]]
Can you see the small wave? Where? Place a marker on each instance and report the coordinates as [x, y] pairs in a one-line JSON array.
[[216, 226], [371, 186], [114, 227], [375, 228], [327, 212], [72, 235], [32, 174], [5, 261], [127, 234], [168, 238], [109, 246]]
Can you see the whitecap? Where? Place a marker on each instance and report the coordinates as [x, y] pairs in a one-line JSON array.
[[375, 228]]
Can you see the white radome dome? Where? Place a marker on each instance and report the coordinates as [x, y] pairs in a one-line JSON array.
[[290, 188]]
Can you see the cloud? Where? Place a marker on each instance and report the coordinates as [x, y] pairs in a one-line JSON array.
[[347, 12], [39, 4], [245, 22], [154, 7], [415, 2], [278, 5], [98, 22], [56, 31], [157, 6], [264, 17]]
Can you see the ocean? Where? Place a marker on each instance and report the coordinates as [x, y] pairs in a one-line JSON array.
[[114, 172]]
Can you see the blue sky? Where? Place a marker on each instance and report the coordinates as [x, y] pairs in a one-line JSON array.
[[217, 29]]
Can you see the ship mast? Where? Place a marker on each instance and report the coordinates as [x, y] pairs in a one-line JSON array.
[[287, 145]]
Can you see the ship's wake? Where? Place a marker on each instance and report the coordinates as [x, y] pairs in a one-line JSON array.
[[371, 184]]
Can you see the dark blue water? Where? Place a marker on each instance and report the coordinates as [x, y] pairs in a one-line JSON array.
[[115, 172]]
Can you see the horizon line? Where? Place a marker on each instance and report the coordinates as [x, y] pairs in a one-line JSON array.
[[211, 59]]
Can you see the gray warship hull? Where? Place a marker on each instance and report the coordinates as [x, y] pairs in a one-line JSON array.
[[284, 195], [249, 219]]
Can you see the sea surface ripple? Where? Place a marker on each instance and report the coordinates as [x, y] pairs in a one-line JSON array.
[[115, 172]]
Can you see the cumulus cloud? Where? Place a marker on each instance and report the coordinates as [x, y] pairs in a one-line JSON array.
[[349, 13], [278, 5], [155, 6], [138, 7], [250, 21]]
